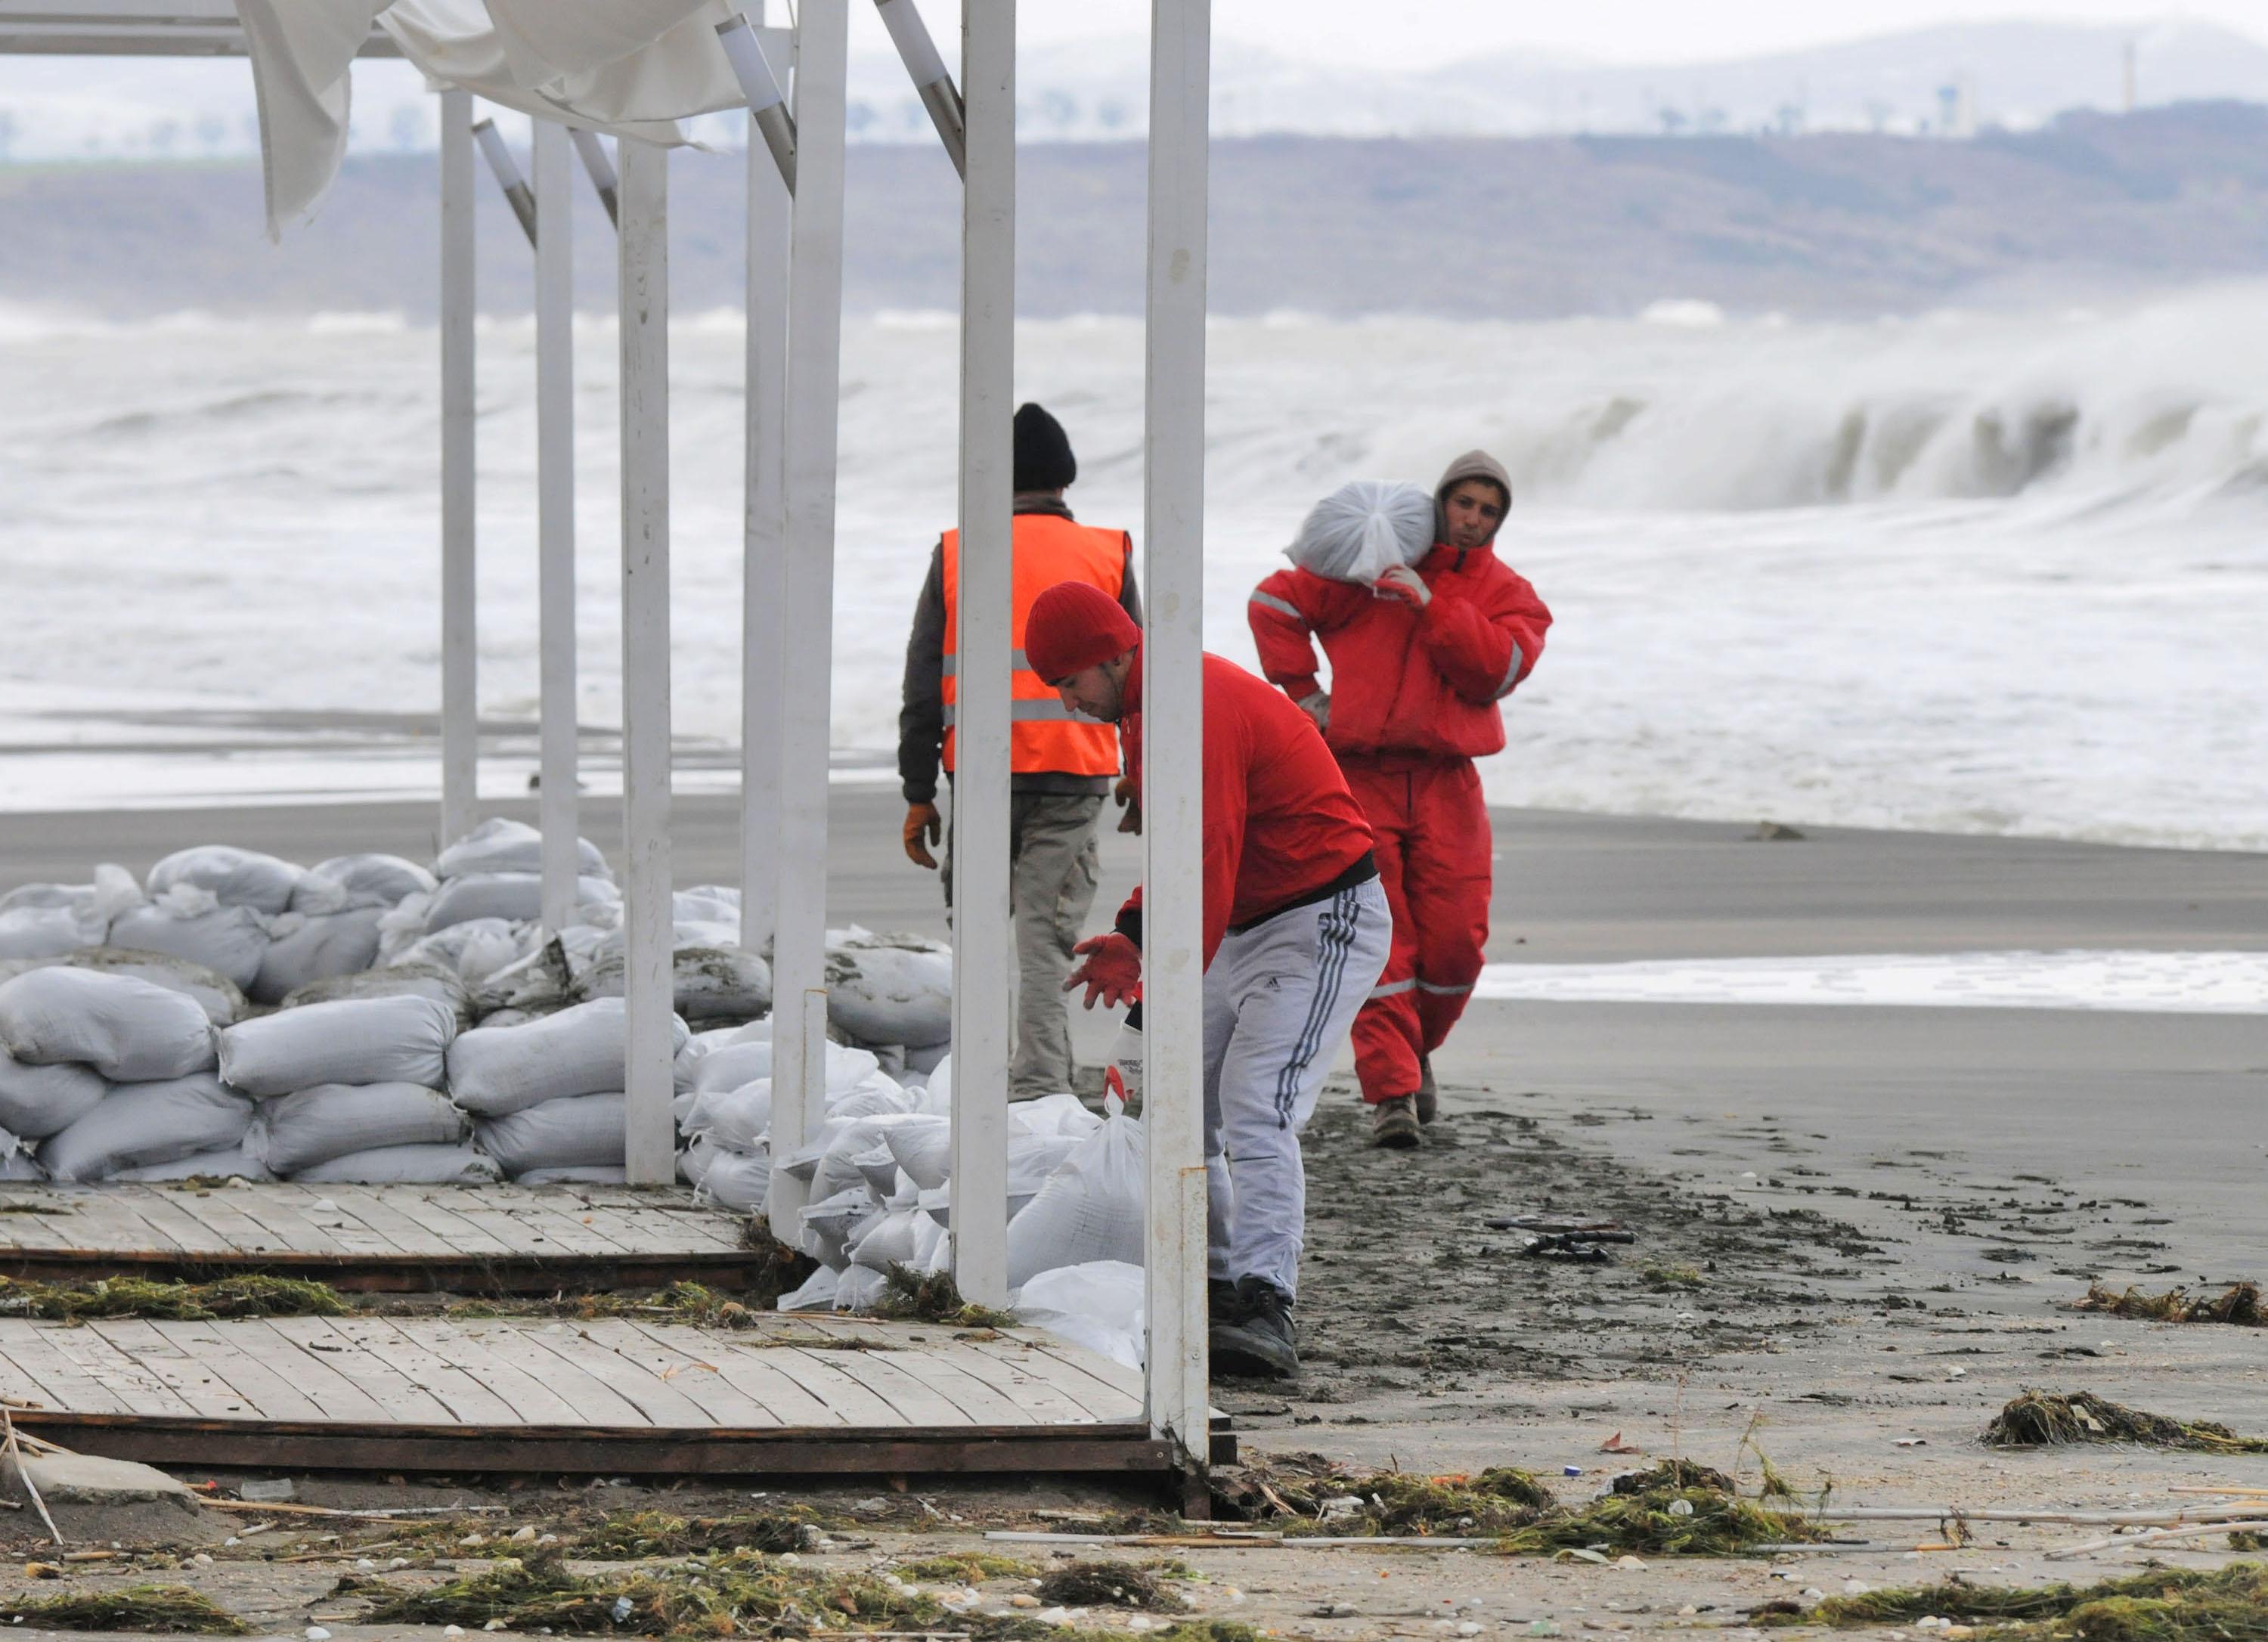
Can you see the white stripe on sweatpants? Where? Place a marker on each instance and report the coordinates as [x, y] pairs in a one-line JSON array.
[[1278, 1002]]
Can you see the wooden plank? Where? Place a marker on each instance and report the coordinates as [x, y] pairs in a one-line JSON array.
[[588, 1347], [268, 1390], [505, 1346], [825, 1377], [160, 1210], [190, 1381], [745, 1365], [144, 1392], [486, 1209], [273, 1208], [531, 1398], [24, 1228], [401, 1399], [1075, 1369], [933, 1364], [563, 1232], [237, 1232], [626, 1231], [436, 1207], [39, 1369], [378, 1208], [343, 1226], [1037, 1394], [421, 1361], [914, 1401], [690, 1359]]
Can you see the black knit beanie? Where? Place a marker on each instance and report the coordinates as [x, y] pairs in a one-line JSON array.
[[1043, 458]]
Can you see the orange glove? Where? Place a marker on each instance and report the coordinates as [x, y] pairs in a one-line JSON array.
[[922, 818], [1128, 793], [1112, 972]]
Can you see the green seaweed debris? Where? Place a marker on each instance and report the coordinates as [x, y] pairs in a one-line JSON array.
[[966, 1567], [1106, 1583], [2239, 1303], [150, 1609], [1677, 1508], [2159, 1605], [254, 1295], [2047, 1419], [912, 1296]]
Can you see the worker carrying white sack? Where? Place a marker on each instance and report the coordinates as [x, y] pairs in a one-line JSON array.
[[1296, 930], [1060, 766]]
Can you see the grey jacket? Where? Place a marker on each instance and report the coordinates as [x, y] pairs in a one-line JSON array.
[[921, 718]]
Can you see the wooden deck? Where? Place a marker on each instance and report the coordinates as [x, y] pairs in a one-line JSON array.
[[792, 1395], [460, 1239]]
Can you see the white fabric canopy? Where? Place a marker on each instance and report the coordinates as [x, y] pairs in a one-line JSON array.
[[630, 67]]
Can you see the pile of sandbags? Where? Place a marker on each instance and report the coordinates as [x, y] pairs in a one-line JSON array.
[[547, 1096]]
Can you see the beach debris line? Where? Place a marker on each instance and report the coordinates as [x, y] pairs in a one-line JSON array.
[[254, 1295], [2159, 1605], [1107, 1583], [2047, 1419], [148, 1609], [2239, 1303]]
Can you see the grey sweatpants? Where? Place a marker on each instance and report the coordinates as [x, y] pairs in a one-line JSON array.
[[1053, 869], [1278, 1001]]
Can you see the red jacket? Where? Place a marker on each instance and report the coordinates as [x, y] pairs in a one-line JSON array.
[[1279, 823], [1406, 680]]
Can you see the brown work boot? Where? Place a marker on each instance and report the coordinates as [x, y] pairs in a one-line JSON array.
[[1428, 1096], [1394, 1123]]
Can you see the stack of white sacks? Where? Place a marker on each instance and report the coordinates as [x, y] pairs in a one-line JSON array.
[[367, 1020]]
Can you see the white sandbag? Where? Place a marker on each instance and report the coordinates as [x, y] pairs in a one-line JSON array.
[[1364, 529], [735, 1063], [739, 1180], [890, 989], [473, 951], [515, 896], [937, 1091], [347, 883], [922, 1058], [860, 1290], [837, 1169], [538, 984], [706, 982], [923, 1148], [36, 1101], [738, 1118], [497, 1070], [235, 1162], [712, 903], [317, 946], [1098, 1304], [233, 877], [220, 998], [574, 1132], [18, 1164], [889, 1242], [356, 1040], [875, 1095], [816, 1294], [695, 1157], [45, 896], [129, 1030], [407, 1165], [187, 921], [1053, 1115], [830, 1224], [148, 1123], [332, 1119], [409, 980], [47, 931], [1090, 1208], [584, 1174], [510, 846]]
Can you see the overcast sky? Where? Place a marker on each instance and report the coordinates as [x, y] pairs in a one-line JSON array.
[[1430, 32]]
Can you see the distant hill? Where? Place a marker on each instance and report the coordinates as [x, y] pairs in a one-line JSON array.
[[1827, 223]]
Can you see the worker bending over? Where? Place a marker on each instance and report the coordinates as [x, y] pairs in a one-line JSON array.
[[1296, 929], [1062, 765], [1418, 663]]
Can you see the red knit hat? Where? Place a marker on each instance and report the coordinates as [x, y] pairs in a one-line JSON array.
[[1073, 626]]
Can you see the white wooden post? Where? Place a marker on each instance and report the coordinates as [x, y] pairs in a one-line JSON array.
[[1173, 717], [983, 970], [651, 1146], [459, 669], [555, 485], [814, 338], [765, 701]]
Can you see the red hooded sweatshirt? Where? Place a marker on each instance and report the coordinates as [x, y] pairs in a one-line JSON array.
[[1280, 827], [1422, 683]]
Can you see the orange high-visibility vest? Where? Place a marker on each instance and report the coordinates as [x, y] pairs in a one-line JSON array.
[[1043, 734]]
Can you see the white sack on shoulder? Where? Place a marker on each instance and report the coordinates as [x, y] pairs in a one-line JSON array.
[[233, 877], [128, 1029], [322, 947], [510, 846], [186, 922], [333, 1120], [1091, 1208], [407, 1165], [358, 1040], [582, 1050], [235, 1162], [1364, 529], [578, 1131], [148, 1123], [347, 883], [36, 1101], [1100, 1304]]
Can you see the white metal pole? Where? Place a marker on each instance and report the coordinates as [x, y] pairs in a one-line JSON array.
[[650, 1147], [982, 969], [764, 698], [553, 163], [459, 669], [815, 339], [1173, 717]]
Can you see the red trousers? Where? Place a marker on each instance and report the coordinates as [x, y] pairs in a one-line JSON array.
[[1434, 847]]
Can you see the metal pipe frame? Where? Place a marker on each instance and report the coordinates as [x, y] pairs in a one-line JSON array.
[[506, 172], [930, 77], [767, 104]]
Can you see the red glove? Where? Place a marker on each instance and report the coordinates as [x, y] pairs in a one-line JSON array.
[[1112, 972]]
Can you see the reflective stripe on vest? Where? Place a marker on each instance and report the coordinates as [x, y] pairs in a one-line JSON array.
[[1045, 735]]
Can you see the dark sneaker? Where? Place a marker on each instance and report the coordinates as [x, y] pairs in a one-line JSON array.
[[1221, 1304], [1257, 1343], [1429, 1097], [1394, 1123]]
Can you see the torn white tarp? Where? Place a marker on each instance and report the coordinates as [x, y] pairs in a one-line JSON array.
[[301, 51]]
